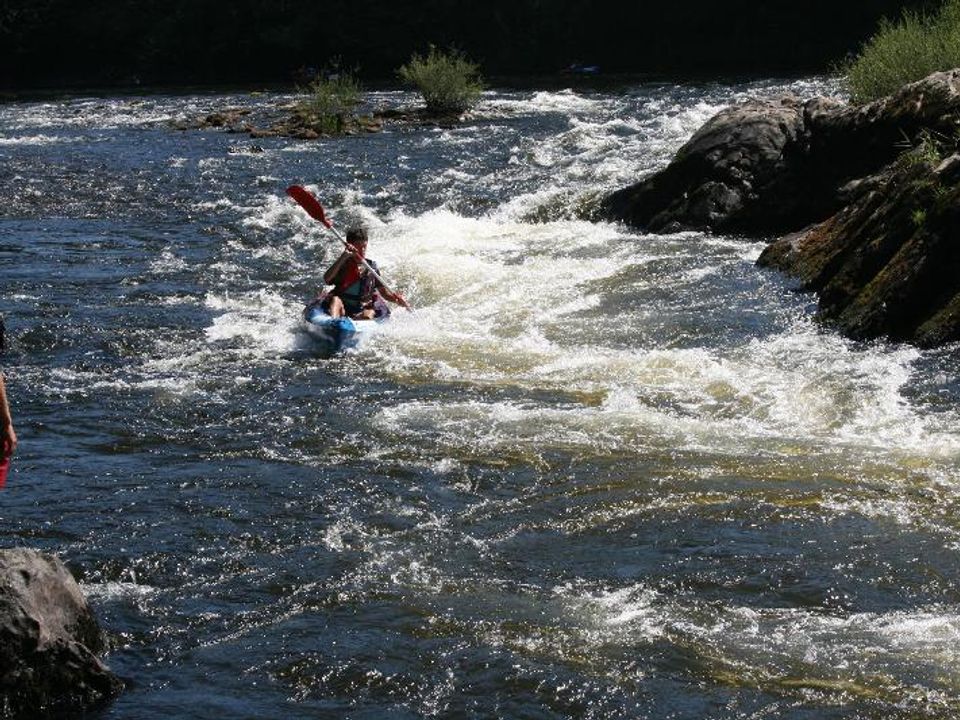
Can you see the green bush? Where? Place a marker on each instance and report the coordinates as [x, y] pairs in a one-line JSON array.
[[448, 82], [330, 101], [906, 51]]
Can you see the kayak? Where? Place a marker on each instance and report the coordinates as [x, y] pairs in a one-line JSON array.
[[336, 334]]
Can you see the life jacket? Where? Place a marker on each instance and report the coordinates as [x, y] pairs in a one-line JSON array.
[[357, 289]]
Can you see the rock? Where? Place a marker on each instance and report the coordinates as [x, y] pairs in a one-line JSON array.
[[888, 265], [865, 224], [48, 637], [370, 124], [228, 118], [773, 167], [300, 123], [252, 149], [722, 177]]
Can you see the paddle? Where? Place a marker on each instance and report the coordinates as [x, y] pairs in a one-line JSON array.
[[308, 202]]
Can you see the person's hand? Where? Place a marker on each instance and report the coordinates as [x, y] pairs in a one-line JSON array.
[[352, 251], [9, 437]]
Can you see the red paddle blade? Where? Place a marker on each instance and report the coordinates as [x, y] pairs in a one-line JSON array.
[[309, 203], [4, 469]]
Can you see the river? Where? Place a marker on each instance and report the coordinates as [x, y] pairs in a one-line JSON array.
[[596, 474]]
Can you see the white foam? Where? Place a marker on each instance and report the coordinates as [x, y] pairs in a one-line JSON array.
[[168, 262], [116, 590], [36, 140], [563, 101], [522, 320], [772, 644], [566, 307], [253, 316]]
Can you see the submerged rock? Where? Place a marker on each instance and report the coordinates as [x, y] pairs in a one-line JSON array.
[[298, 121], [229, 119], [303, 126], [48, 637]]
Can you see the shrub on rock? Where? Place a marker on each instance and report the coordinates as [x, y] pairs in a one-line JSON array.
[[449, 83]]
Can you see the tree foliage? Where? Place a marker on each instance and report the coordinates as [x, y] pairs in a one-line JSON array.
[[62, 43]]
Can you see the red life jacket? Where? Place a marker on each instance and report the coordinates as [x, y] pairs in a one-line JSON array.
[[357, 289]]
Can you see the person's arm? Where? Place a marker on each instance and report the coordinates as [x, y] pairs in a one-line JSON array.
[[389, 294], [7, 434], [331, 274], [394, 297], [334, 270]]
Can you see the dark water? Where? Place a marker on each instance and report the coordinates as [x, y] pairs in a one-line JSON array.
[[596, 475]]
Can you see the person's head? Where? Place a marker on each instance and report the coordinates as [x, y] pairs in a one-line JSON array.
[[357, 236]]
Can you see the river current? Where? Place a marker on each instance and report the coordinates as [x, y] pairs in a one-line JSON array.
[[596, 474]]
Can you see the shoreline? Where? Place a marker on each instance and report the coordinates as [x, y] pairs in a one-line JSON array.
[[605, 82]]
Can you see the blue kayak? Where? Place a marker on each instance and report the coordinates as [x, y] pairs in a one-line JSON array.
[[337, 334]]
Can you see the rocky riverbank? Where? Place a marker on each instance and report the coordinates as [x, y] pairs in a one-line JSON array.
[[290, 121], [864, 197]]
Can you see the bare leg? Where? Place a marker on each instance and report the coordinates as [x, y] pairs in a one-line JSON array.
[[335, 307], [368, 314]]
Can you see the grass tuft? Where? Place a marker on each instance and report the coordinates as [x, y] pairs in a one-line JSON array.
[[329, 103], [905, 51]]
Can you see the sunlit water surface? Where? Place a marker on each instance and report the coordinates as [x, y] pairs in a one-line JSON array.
[[597, 474]]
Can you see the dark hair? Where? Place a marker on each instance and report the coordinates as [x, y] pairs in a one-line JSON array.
[[356, 235]]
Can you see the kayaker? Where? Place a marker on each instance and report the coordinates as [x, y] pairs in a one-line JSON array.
[[356, 292]]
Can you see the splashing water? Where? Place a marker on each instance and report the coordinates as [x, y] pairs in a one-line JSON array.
[[597, 474]]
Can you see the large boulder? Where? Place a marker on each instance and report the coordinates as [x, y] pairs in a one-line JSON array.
[[48, 637], [772, 167], [719, 180]]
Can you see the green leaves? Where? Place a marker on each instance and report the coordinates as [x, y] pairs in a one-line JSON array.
[[448, 82], [330, 102], [903, 52]]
